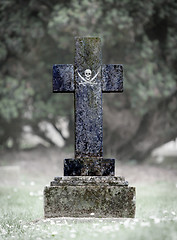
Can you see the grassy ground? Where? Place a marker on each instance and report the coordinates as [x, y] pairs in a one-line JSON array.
[[21, 208]]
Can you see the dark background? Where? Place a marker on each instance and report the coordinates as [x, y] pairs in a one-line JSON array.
[[141, 35]]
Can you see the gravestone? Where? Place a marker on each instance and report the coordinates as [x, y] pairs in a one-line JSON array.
[[88, 187]]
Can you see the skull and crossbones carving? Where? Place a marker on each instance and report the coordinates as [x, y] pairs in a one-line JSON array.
[[88, 79]]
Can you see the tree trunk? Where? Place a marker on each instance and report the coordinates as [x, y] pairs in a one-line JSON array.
[[156, 127]]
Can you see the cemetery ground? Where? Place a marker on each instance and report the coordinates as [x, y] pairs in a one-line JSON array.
[[23, 176]]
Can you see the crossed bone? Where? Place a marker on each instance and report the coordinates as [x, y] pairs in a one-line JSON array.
[[86, 81]]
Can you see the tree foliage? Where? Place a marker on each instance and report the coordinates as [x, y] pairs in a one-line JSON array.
[[34, 35]]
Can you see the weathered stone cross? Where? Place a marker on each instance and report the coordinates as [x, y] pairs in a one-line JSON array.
[[88, 79], [88, 187]]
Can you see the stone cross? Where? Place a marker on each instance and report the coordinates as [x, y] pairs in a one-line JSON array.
[[88, 187], [88, 78]]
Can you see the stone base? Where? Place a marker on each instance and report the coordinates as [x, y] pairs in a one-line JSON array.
[[89, 167], [87, 196]]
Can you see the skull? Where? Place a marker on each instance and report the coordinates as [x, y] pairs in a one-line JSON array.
[[88, 73]]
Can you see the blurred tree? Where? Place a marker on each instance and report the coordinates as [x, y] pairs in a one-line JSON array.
[[34, 35]]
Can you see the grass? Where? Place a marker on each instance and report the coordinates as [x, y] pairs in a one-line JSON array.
[[21, 202], [21, 216]]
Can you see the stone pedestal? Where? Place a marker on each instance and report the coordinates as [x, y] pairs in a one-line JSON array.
[[89, 196], [89, 167]]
